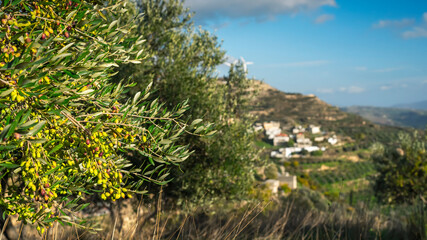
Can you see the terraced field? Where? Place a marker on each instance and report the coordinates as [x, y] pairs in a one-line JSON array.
[[338, 179]]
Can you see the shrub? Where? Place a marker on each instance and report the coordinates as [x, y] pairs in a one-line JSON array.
[[285, 188], [304, 152], [317, 153], [332, 196], [291, 143], [295, 164], [307, 199], [303, 181], [271, 171]]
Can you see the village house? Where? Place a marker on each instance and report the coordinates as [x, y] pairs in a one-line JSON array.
[[273, 132], [333, 140], [299, 136], [272, 185], [298, 129], [277, 154], [313, 129], [319, 139], [280, 139], [271, 125], [287, 152], [284, 178], [291, 181], [303, 142], [272, 129], [312, 148]]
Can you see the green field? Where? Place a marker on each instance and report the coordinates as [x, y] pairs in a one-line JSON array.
[[338, 179]]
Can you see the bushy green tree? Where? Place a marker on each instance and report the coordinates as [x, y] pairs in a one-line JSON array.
[[182, 60], [402, 170], [65, 131]]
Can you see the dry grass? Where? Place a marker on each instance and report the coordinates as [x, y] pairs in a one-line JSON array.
[[272, 220]]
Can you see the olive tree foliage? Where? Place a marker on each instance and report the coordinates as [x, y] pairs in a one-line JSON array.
[[183, 60], [402, 171], [222, 166], [65, 130]]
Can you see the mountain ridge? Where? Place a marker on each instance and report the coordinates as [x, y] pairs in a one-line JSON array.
[[393, 116], [421, 105]]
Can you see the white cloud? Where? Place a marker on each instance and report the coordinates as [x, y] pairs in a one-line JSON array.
[[325, 90], [385, 70], [384, 88], [394, 23], [349, 90], [211, 9], [381, 70], [324, 18], [218, 26], [416, 32], [352, 89], [305, 63], [361, 68]]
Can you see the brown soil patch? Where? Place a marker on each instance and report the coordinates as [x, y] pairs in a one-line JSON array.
[[322, 168], [353, 158]]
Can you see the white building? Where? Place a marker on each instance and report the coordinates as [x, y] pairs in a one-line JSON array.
[[287, 152], [312, 148], [304, 142], [270, 125], [314, 129], [277, 154], [299, 136], [291, 181], [333, 140], [319, 139], [298, 129], [280, 139], [272, 185], [273, 132]]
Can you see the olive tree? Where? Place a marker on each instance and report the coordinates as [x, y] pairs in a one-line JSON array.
[[182, 60], [65, 130], [402, 170]]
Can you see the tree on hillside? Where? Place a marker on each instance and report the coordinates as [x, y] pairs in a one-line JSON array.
[[65, 130], [183, 61], [402, 171]]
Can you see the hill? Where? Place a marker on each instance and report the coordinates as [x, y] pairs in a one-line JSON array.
[[391, 116], [294, 108], [417, 105]]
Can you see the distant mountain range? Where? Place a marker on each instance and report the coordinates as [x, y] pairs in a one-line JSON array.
[[403, 117], [417, 105]]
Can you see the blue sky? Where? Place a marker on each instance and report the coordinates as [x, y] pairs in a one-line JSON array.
[[346, 52]]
